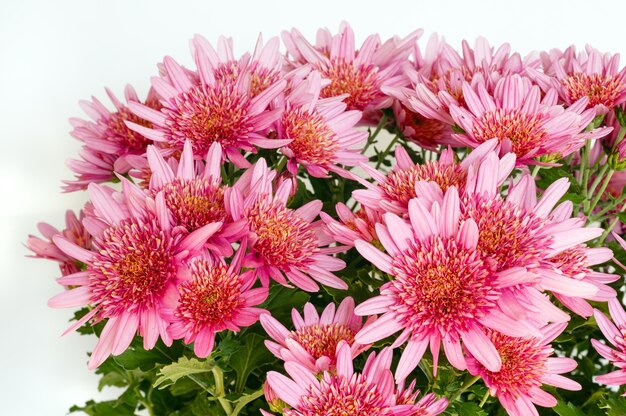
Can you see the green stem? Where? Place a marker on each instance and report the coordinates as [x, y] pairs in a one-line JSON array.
[[245, 399], [536, 170], [220, 392], [608, 230], [598, 215], [601, 191], [484, 400], [281, 164], [468, 383], [383, 156], [372, 136]]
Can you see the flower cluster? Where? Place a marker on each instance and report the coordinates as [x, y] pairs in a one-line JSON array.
[[396, 200]]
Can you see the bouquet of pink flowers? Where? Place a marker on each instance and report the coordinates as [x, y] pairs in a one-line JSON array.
[[388, 229]]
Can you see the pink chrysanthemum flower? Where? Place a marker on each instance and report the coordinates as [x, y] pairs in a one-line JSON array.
[[352, 226], [393, 191], [215, 297], [214, 108], [615, 333], [46, 249], [442, 290], [360, 73], [283, 241], [577, 262], [426, 133], [587, 74], [313, 342], [108, 140], [194, 194], [346, 392], [321, 133], [527, 364], [137, 260], [522, 121]]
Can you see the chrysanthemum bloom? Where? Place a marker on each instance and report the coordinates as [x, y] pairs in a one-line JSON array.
[[137, 260], [426, 133], [442, 291], [212, 109], [194, 194], [615, 333], [393, 191], [213, 298], [47, 249], [346, 392], [321, 132], [361, 72], [588, 74], [522, 121], [313, 342], [352, 226], [519, 235], [108, 140], [436, 83], [283, 241], [577, 262], [527, 364]]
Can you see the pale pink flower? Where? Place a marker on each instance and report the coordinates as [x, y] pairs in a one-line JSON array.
[[194, 194], [358, 72], [45, 248], [314, 340], [589, 74], [527, 364], [219, 106], [107, 139], [442, 291], [282, 241], [576, 262], [523, 122], [321, 132], [352, 226], [615, 333], [132, 271], [425, 132], [346, 392], [393, 191], [213, 298]]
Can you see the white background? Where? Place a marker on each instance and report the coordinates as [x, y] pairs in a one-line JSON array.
[[53, 53]]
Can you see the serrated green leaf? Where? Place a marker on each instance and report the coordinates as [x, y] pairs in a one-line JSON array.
[[106, 408], [112, 379], [615, 405], [251, 356], [469, 409], [567, 409], [169, 374]]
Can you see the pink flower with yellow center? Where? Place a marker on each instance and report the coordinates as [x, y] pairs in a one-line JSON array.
[[321, 132], [194, 194], [589, 74], [313, 342], [577, 262], [519, 236], [442, 291], [283, 242], [107, 139], [46, 249], [346, 392], [361, 72], [522, 121], [218, 106], [615, 333], [132, 272], [352, 226], [213, 298], [393, 191], [527, 364]]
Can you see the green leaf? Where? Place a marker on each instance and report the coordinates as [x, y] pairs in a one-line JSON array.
[[469, 409], [169, 374], [567, 409], [136, 357], [107, 408], [251, 356], [616, 406], [112, 379]]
